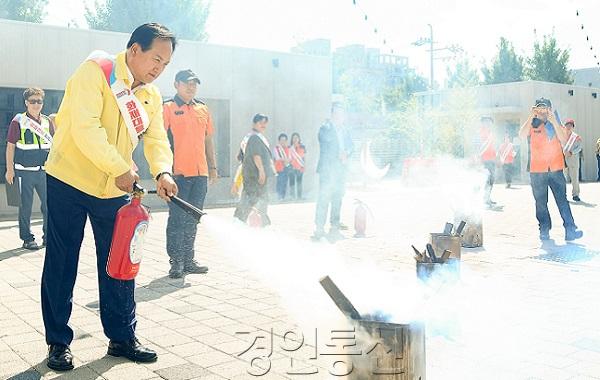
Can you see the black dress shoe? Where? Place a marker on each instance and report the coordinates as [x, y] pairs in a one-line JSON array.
[[60, 358], [132, 350]]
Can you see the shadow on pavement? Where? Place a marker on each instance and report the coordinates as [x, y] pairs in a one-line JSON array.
[[36, 223], [160, 287], [567, 253], [584, 204], [154, 290], [13, 253], [40, 370]]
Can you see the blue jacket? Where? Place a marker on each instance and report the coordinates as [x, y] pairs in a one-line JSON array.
[[329, 148]]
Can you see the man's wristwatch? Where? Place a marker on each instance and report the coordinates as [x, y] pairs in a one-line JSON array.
[[160, 174]]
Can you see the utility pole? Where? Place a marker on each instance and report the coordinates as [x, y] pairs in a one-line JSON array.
[[431, 53], [422, 41]]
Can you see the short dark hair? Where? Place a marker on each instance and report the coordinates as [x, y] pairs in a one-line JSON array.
[[259, 117], [33, 91], [295, 134], [281, 135], [145, 35]]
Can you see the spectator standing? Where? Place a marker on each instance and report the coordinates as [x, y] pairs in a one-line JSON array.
[[297, 154], [281, 156], [572, 151], [29, 140]]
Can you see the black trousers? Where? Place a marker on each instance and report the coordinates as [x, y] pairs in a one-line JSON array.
[[68, 210], [255, 196], [508, 173], [28, 182], [295, 177], [490, 166], [540, 182], [181, 227]]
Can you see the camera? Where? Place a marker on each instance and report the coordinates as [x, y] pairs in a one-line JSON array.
[[536, 122]]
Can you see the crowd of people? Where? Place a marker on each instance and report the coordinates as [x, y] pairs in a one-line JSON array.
[[80, 164], [81, 167], [554, 156]]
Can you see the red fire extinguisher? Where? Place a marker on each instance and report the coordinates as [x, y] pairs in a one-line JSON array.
[[130, 229], [360, 219], [255, 219]]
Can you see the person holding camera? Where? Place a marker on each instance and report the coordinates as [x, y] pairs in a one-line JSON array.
[[547, 163]]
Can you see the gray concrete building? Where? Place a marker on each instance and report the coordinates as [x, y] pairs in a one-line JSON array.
[[589, 77], [510, 103], [293, 89]]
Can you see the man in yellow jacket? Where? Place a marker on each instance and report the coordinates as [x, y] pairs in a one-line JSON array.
[[109, 103]]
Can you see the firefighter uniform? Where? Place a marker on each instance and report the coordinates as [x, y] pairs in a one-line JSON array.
[[188, 125]]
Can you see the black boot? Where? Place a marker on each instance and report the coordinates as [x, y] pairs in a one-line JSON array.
[[132, 350], [176, 268], [193, 267], [572, 234], [60, 357]]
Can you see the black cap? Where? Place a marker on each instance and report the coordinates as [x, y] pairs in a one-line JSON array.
[[186, 76], [543, 102]]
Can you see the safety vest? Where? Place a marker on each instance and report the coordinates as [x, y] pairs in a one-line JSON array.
[[280, 154], [32, 148]]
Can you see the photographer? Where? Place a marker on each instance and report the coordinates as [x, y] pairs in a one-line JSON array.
[[546, 168]]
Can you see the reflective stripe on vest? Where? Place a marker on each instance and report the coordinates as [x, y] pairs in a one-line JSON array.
[[30, 168], [31, 150]]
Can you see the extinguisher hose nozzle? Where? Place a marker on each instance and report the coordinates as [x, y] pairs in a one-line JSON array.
[[189, 209]]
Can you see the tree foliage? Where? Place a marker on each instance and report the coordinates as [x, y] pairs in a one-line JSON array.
[[507, 65], [549, 63], [463, 75], [20, 10], [186, 18]]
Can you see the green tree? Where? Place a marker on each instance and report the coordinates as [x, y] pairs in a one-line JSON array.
[[463, 75], [549, 63], [395, 96], [186, 18], [507, 65], [20, 10]]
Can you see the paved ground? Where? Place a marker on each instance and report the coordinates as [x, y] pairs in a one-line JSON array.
[[522, 310]]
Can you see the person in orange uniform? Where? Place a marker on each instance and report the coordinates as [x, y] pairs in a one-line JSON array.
[[546, 167], [189, 124], [487, 153], [506, 154]]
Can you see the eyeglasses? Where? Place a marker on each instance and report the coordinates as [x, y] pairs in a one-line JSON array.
[[35, 101]]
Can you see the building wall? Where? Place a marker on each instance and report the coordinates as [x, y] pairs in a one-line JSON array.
[[589, 77], [294, 90], [510, 103]]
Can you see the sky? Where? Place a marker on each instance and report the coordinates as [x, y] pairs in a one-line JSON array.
[[474, 25]]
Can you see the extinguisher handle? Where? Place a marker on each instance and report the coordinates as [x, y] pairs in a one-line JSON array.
[[188, 208]]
